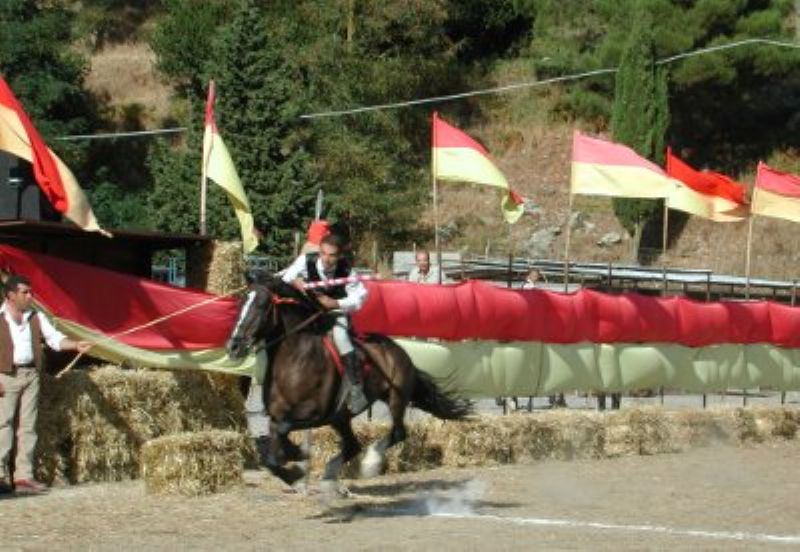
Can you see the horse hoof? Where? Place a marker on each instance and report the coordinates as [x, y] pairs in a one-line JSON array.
[[300, 487], [290, 475], [331, 489]]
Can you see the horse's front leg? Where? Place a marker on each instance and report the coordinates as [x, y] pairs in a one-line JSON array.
[[350, 447], [276, 455]]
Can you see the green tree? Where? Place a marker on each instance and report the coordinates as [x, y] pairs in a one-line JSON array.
[[44, 72], [260, 98], [183, 43], [640, 117]]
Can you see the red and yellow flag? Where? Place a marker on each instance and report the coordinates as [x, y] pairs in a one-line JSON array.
[[609, 169], [706, 194], [457, 157], [19, 137], [218, 166], [776, 194]]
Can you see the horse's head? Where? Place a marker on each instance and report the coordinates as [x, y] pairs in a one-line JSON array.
[[256, 309]]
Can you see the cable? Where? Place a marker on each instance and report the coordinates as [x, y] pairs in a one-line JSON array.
[[132, 134], [532, 84], [461, 95]]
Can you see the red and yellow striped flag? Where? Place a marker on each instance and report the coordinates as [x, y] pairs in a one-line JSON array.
[[219, 167], [609, 169], [707, 194], [457, 157], [19, 137], [776, 194]]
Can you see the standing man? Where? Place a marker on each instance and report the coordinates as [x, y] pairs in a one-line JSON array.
[[422, 273], [348, 298], [21, 332]]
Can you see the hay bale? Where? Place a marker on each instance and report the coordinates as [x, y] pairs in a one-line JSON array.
[[193, 464], [218, 267], [776, 422], [93, 423], [638, 431]]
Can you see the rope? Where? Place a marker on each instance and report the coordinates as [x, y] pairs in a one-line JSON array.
[[462, 95], [537, 83], [151, 323]]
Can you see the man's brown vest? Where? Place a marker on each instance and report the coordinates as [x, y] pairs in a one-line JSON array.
[[7, 346]]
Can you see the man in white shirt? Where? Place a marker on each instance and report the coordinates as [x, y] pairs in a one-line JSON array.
[[22, 330], [347, 298], [423, 273]]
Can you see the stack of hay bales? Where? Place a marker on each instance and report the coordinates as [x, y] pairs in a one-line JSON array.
[[93, 423], [565, 435], [193, 464]]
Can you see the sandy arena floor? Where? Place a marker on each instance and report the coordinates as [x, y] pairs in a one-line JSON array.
[[714, 498]]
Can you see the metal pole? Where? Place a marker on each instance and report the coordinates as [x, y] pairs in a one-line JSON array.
[[747, 258], [666, 229], [206, 154], [566, 245], [436, 205], [510, 256]]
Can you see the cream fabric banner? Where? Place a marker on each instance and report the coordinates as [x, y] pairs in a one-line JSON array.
[[494, 369]]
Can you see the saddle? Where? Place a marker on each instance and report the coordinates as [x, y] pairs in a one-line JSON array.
[[364, 364]]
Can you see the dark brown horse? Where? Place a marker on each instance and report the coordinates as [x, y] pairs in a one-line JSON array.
[[304, 389]]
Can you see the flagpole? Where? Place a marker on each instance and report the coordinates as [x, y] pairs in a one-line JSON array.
[[203, 192], [206, 154], [436, 241], [666, 228], [566, 247], [747, 257], [510, 256]]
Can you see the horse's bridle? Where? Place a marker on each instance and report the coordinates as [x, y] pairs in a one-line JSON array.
[[273, 307]]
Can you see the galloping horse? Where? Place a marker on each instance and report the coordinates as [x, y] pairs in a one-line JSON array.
[[304, 388]]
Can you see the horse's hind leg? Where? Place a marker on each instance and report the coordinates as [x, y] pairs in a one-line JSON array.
[[372, 463], [350, 447]]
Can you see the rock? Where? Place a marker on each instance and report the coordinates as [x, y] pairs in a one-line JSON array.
[[540, 243], [611, 238], [577, 220]]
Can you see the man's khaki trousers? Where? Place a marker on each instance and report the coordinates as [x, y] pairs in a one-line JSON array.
[[22, 388]]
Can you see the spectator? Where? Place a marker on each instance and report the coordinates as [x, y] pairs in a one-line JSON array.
[[423, 272], [534, 279]]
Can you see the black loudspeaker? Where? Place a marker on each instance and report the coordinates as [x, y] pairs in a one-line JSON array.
[[20, 196]]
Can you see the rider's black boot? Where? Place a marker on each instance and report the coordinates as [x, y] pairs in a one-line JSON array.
[[357, 401]]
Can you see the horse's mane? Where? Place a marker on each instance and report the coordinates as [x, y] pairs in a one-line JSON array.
[[304, 305]]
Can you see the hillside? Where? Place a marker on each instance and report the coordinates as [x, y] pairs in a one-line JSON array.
[[535, 156]]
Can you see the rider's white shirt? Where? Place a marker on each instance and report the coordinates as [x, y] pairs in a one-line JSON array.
[[356, 291]]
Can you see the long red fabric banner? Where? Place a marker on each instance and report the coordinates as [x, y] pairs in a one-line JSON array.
[[111, 303], [476, 310]]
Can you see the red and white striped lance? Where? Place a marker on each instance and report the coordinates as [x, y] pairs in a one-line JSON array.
[[340, 281]]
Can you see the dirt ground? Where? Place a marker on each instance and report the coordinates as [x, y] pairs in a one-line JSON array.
[[712, 498]]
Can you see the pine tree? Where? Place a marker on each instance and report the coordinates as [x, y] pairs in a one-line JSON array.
[[260, 100], [640, 117], [44, 72]]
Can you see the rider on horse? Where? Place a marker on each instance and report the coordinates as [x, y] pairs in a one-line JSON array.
[[328, 264]]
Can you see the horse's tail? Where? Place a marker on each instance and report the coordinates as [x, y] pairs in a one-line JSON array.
[[433, 400]]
